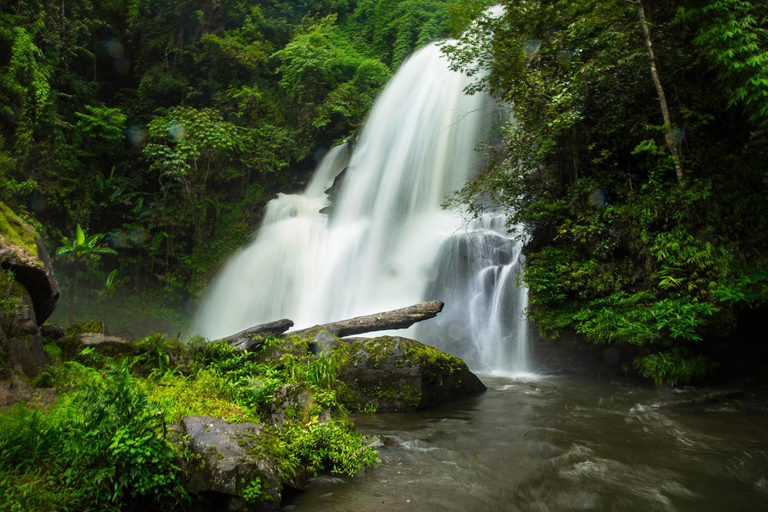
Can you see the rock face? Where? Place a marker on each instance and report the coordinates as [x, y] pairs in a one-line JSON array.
[[391, 373], [228, 476], [21, 344], [22, 252]]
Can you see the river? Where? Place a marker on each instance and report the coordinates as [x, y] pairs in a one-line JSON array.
[[560, 443]]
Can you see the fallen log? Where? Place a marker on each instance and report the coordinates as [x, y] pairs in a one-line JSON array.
[[388, 320], [253, 337]]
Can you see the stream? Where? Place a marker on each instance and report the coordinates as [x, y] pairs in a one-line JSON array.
[[565, 443]]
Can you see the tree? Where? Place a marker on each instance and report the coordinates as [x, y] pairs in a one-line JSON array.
[[618, 251]]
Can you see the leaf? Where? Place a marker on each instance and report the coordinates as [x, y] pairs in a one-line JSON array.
[[80, 236]]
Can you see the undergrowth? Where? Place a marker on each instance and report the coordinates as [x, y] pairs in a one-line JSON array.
[[104, 443]]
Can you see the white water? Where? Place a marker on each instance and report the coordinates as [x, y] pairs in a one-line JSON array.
[[388, 244]]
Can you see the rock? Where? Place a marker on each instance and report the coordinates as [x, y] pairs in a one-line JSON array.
[[14, 389], [21, 344], [323, 342], [88, 326], [714, 397], [22, 252], [53, 332], [109, 346], [398, 374], [228, 470], [295, 402]]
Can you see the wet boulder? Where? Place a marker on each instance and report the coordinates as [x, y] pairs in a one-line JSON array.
[[392, 373], [22, 252], [228, 474]]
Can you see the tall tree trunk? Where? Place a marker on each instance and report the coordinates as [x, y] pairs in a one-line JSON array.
[[670, 135]]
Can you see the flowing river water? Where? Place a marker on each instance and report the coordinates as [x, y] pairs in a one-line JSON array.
[[559, 443]]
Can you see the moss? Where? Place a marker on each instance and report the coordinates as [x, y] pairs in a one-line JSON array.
[[205, 394], [54, 352], [89, 326], [69, 347], [389, 395], [17, 231], [411, 397], [278, 350]]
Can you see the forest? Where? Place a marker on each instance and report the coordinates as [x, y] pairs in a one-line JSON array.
[[163, 126], [142, 139]]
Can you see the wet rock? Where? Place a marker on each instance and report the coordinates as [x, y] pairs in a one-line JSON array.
[[715, 397], [391, 373], [22, 252], [228, 472]]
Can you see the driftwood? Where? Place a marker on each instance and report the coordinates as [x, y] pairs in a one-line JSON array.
[[253, 338], [396, 319]]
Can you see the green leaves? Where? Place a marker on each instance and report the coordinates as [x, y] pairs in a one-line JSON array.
[[82, 246], [731, 33]]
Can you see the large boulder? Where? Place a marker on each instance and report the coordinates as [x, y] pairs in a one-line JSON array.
[[21, 344], [228, 475], [391, 373], [22, 252]]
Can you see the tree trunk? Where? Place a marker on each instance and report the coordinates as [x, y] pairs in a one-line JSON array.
[[670, 137], [396, 319], [252, 338]]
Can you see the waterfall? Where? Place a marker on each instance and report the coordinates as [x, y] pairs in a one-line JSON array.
[[387, 243]]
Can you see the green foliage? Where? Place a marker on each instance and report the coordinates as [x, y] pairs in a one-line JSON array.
[[617, 252], [250, 90], [80, 251], [16, 231], [101, 446], [733, 35]]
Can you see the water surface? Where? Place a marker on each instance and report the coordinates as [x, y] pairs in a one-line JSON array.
[[557, 444]]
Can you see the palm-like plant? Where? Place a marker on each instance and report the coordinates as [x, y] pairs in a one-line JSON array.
[[78, 251]]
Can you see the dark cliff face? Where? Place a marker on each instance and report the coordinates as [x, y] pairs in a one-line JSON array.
[[29, 294]]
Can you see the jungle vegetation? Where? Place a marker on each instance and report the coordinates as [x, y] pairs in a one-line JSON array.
[[165, 125], [636, 163], [636, 160]]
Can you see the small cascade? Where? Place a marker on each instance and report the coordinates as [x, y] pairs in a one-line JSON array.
[[388, 243], [476, 275]]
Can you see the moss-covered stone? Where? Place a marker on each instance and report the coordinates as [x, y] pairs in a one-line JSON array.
[[17, 231], [276, 351], [391, 373], [87, 326], [22, 253]]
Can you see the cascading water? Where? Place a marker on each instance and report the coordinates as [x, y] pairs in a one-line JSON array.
[[388, 243]]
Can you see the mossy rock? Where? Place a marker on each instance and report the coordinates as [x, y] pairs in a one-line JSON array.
[[105, 346], [392, 373], [232, 476], [169, 352], [17, 231], [21, 344], [22, 252], [88, 326], [275, 351]]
